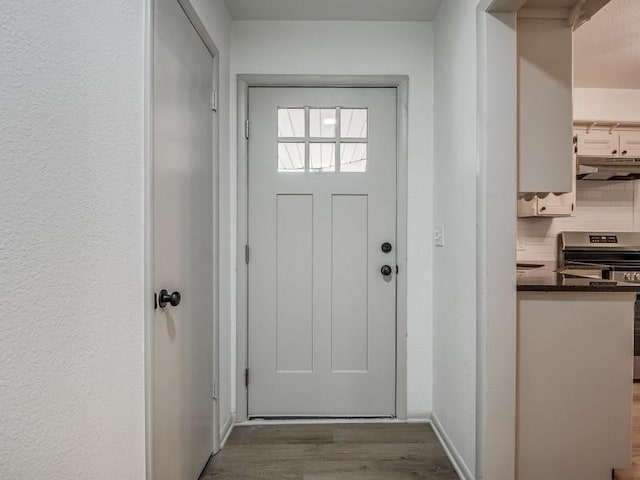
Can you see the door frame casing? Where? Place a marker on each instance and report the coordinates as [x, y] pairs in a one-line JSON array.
[[401, 84], [149, 196]]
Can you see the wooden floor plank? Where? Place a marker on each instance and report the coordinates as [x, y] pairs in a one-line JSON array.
[[332, 452]]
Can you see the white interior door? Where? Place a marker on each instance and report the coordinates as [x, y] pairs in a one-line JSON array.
[[322, 202], [182, 404]]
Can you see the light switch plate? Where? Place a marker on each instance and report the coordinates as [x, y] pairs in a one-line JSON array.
[[438, 235]]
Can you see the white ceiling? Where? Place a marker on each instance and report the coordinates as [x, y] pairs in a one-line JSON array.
[[607, 48], [355, 10]]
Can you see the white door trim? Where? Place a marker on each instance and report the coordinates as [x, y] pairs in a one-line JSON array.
[[148, 194], [401, 83]]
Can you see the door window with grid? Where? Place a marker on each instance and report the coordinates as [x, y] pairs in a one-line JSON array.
[[322, 139]]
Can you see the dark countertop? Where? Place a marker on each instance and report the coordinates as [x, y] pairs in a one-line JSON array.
[[546, 279]]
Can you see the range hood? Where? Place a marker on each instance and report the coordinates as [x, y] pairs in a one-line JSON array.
[[607, 150], [615, 169]]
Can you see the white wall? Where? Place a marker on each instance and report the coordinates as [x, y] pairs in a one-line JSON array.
[[455, 85], [215, 17], [71, 248], [369, 48], [606, 104]]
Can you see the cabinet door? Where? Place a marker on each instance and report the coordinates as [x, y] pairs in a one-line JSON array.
[[597, 143], [574, 410], [545, 113], [528, 207], [630, 144], [561, 204], [556, 205]]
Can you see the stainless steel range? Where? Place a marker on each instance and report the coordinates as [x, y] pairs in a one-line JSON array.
[[607, 255], [612, 255]]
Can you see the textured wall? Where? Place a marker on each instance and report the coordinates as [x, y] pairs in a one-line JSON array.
[[605, 49], [71, 240], [370, 48]]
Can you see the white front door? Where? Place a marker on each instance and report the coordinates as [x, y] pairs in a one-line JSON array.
[[182, 405], [322, 202]]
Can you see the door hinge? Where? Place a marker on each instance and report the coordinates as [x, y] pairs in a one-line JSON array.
[[246, 129], [246, 377], [214, 100], [246, 254], [215, 390]]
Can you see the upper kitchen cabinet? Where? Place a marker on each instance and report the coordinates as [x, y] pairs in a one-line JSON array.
[[545, 112], [596, 142], [630, 144], [607, 142], [550, 204]]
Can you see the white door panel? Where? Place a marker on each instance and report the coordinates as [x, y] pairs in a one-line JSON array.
[[321, 315], [182, 409]]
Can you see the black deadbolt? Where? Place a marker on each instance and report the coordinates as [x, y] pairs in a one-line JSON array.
[[386, 247], [165, 297]]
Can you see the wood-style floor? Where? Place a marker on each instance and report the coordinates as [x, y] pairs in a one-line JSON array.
[[381, 451], [633, 473]]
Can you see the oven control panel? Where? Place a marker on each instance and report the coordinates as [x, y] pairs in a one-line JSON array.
[[626, 276], [603, 238]]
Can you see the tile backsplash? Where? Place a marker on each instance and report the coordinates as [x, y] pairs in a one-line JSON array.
[[600, 206]]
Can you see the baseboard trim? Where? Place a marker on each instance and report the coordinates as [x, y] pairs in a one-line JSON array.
[[227, 428], [418, 420], [311, 421], [458, 463], [419, 417]]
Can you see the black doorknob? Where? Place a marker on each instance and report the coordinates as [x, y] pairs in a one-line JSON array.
[[386, 247], [165, 297], [386, 270]]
